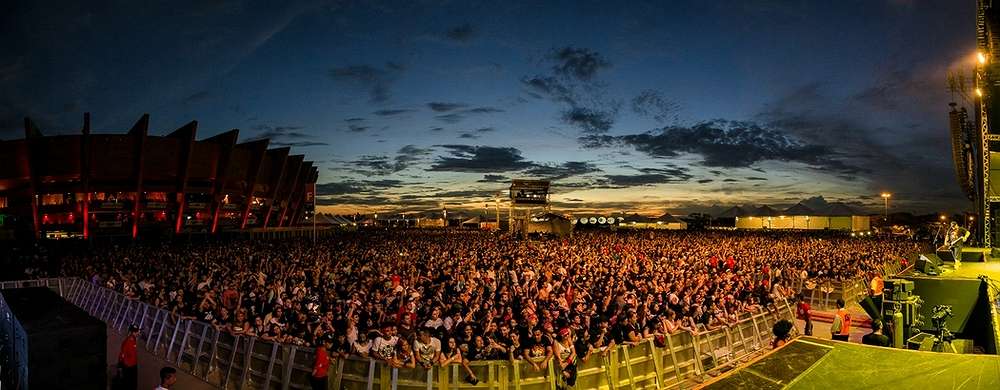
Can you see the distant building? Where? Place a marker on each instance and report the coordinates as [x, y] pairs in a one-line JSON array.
[[136, 184], [837, 216]]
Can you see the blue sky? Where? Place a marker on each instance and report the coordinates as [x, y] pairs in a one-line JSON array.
[[636, 106]]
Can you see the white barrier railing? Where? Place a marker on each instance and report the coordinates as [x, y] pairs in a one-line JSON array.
[[229, 361]]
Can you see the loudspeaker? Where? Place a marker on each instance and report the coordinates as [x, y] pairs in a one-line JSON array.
[[929, 264], [49, 343], [945, 255], [871, 308]]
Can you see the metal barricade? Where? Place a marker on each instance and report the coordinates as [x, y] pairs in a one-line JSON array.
[[241, 362]]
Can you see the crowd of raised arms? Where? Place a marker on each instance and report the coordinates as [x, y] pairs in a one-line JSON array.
[[439, 297]]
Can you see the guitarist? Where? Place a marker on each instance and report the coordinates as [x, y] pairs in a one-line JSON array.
[[956, 237]]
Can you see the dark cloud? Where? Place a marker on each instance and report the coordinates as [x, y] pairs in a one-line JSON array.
[[437, 129], [283, 135], [731, 180], [493, 179], [755, 178], [640, 180], [444, 107], [482, 110], [197, 97], [485, 130], [354, 120], [393, 112], [578, 63], [651, 104], [378, 81], [704, 181], [338, 188], [450, 118], [468, 136], [357, 129], [300, 144], [461, 33], [411, 153], [562, 171], [480, 159], [729, 144], [588, 120], [550, 87], [406, 156], [376, 165]]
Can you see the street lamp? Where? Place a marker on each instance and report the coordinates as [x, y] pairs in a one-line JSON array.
[[886, 196]]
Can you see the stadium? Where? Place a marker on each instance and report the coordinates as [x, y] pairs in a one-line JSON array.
[[479, 202], [105, 185]]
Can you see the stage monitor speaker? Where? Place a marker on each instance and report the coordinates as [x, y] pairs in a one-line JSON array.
[[871, 307], [929, 264], [945, 255]]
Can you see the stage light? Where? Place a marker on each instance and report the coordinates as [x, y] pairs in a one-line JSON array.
[[853, 235], [979, 92], [981, 57], [601, 220], [971, 218], [943, 217]]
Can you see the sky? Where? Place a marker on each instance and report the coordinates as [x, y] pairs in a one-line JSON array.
[[644, 106]]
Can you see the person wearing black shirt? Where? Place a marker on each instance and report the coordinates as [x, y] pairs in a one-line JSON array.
[[876, 337]]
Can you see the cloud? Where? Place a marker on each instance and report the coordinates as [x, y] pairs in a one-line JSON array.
[[354, 120], [546, 86], [486, 129], [728, 144], [284, 135], [564, 170], [458, 116], [588, 120], [197, 97], [436, 129], [468, 136], [461, 33], [450, 118], [579, 63], [488, 178], [378, 81], [393, 112], [356, 186], [704, 181], [444, 107], [357, 129], [480, 159], [300, 144], [756, 178], [651, 104], [482, 110], [406, 156], [640, 180]]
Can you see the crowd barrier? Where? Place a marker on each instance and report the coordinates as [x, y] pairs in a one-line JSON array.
[[824, 295], [238, 362]]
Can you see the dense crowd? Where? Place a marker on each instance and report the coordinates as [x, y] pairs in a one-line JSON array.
[[439, 297]]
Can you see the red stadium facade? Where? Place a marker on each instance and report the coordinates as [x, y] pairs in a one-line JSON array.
[[136, 184]]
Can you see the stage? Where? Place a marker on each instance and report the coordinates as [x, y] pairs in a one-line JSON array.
[[968, 270], [812, 363]]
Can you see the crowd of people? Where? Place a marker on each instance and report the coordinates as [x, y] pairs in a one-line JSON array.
[[423, 298]]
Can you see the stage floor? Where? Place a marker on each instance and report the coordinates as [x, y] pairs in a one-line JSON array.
[[811, 363], [968, 270]]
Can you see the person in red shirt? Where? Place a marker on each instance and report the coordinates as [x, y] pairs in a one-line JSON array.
[[128, 364], [730, 263], [321, 365], [803, 313], [713, 263]]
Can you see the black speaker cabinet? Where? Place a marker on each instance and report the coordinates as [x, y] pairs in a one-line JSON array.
[[929, 264], [66, 347]]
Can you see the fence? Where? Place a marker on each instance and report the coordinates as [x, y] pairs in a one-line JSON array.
[[824, 296], [228, 361]]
